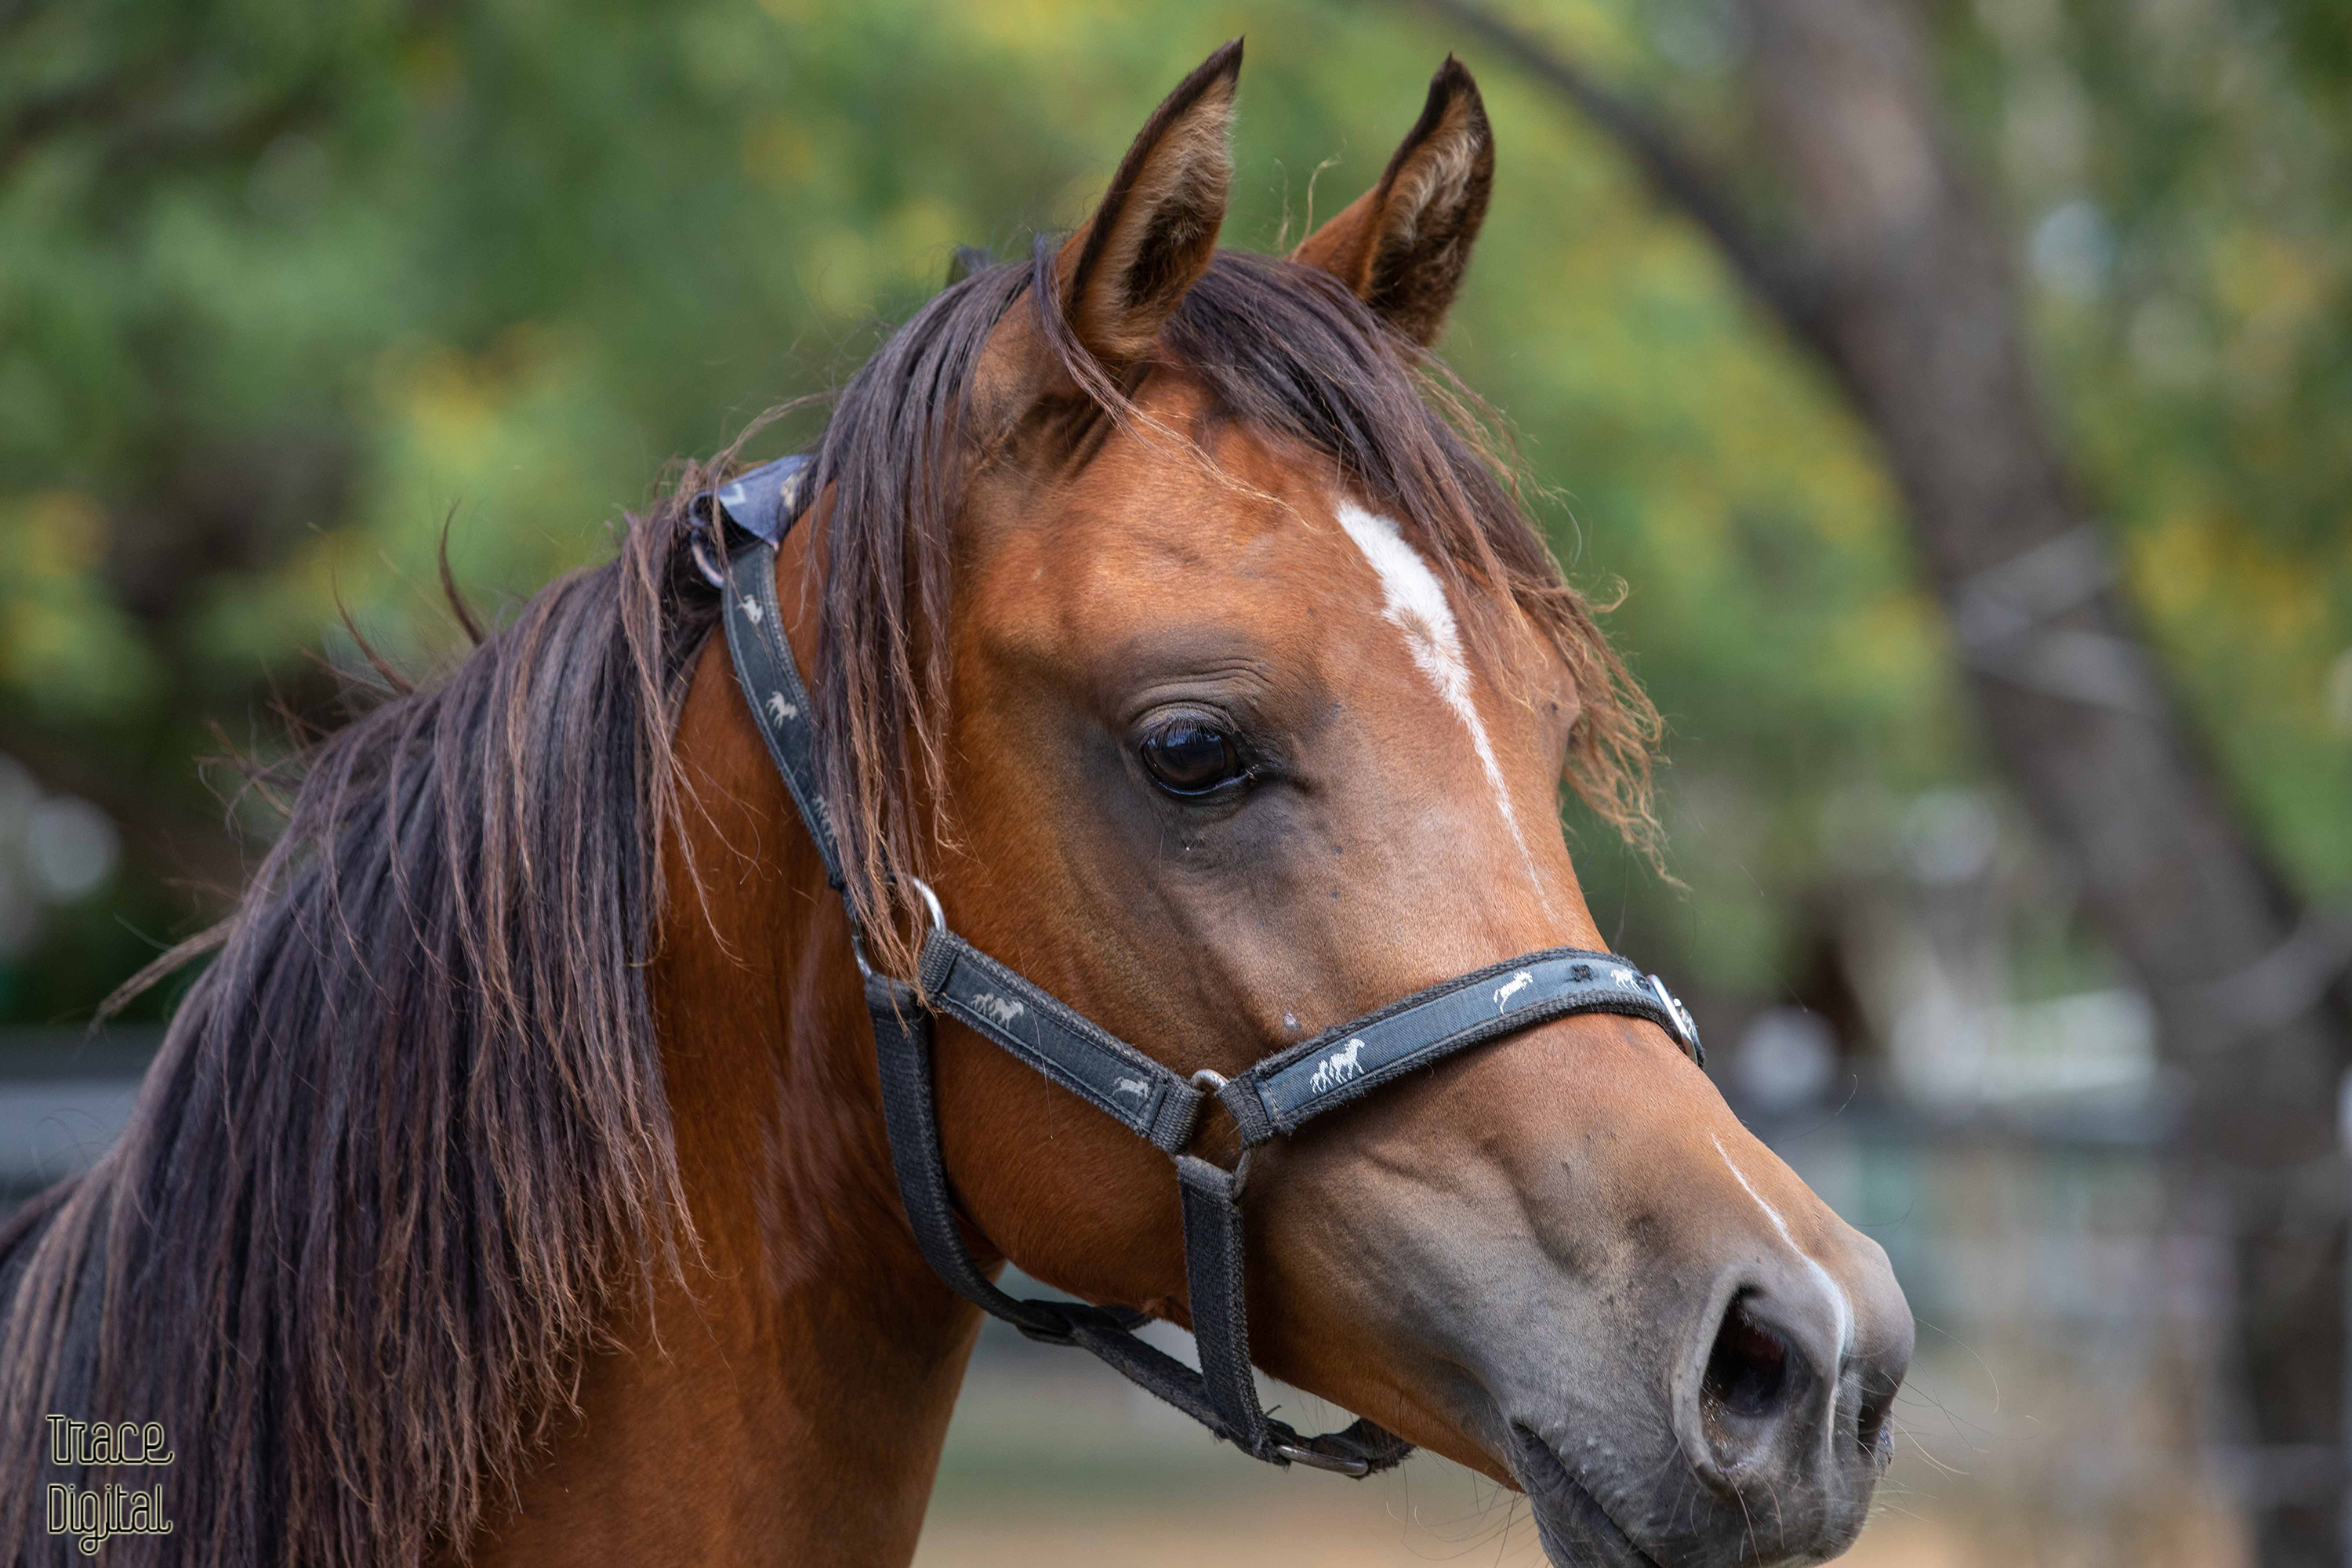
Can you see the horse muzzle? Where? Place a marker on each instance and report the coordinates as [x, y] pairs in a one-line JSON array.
[[1778, 1418]]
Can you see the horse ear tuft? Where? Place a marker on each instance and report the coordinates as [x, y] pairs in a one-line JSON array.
[[1124, 273], [1403, 244]]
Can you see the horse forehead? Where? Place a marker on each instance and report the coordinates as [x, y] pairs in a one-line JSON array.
[[1154, 534]]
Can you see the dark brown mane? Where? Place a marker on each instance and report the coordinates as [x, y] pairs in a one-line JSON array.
[[408, 1134], [1284, 348]]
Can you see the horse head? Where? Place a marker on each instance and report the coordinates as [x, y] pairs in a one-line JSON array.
[[1243, 692]]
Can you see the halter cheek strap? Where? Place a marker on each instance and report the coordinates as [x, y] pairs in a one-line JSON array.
[[738, 527]]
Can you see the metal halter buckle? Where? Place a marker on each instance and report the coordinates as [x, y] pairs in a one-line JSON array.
[[930, 908]]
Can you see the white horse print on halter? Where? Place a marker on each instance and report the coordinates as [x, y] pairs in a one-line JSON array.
[[1003, 1009], [1337, 1068], [1518, 982]]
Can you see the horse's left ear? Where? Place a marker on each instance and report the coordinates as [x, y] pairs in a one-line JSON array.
[[1403, 243], [1125, 271]]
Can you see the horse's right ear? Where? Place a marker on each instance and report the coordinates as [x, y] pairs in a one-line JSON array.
[[1403, 244], [1124, 273]]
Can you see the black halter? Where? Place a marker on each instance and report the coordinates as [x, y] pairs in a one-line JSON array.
[[1160, 1105]]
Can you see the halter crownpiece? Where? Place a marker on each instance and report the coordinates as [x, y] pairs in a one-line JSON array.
[[737, 528]]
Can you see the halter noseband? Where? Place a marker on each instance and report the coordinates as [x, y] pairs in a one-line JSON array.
[[1278, 1096]]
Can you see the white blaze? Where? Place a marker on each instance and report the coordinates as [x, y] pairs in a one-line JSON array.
[[1829, 1284], [1416, 606]]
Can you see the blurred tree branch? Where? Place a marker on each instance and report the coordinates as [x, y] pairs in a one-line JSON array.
[[151, 95], [1782, 280], [29, 124], [147, 132], [1902, 289]]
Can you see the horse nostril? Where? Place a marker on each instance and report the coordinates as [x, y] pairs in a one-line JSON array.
[[1747, 1374], [1870, 1422]]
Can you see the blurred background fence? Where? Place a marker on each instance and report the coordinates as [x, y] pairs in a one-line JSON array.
[[287, 292]]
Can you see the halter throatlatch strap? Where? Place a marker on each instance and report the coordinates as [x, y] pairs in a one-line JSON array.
[[1273, 1098]]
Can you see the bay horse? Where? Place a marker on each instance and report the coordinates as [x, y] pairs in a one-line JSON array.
[[512, 1186]]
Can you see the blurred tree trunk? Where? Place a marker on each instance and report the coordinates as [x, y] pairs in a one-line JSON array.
[[1899, 279]]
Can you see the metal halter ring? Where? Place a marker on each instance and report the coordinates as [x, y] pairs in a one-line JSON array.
[[930, 908], [1208, 1081], [698, 546], [930, 899], [1686, 1032], [1332, 1462]]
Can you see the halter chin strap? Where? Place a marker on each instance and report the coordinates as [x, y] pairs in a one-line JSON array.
[[738, 527]]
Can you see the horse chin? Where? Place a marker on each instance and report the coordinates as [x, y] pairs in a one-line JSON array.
[[1575, 1528]]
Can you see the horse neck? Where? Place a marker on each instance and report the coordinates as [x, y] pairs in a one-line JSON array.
[[787, 1400]]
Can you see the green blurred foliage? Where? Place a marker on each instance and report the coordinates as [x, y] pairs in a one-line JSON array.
[[284, 289]]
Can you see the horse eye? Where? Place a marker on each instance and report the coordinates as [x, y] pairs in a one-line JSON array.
[[1188, 758]]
